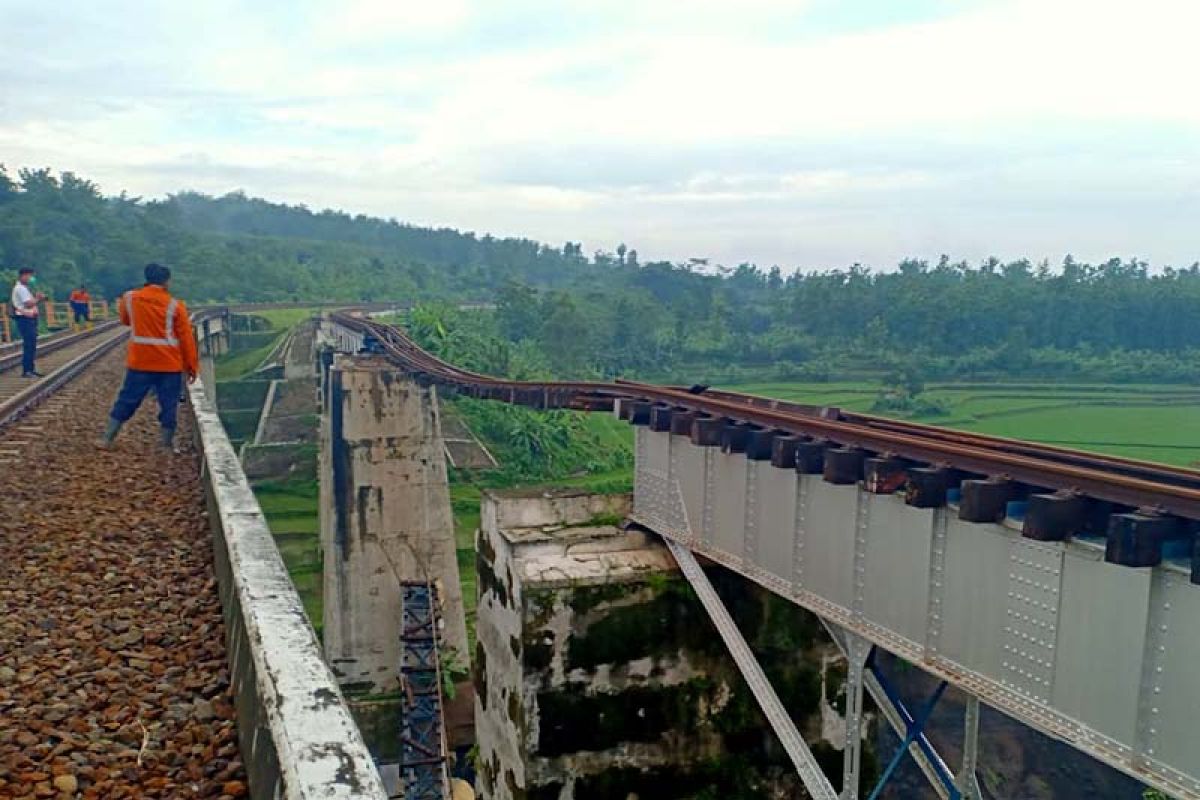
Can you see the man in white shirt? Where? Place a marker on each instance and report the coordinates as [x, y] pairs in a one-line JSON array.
[[25, 311]]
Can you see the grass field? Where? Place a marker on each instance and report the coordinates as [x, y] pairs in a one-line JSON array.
[[1155, 423], [291, 511], [290, 507]]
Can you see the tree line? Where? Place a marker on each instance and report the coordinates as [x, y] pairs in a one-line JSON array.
[[610, 313]]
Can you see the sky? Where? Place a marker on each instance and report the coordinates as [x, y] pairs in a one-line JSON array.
[[801, 133]]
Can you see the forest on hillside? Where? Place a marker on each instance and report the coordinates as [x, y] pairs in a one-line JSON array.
[[609, 313]]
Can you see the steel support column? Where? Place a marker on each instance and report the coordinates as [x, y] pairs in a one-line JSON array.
[[967, 782], [935, 769], [814, 780], [857, 650], [422, 737]]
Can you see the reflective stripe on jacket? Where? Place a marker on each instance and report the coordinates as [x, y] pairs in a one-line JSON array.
[[160, 331]]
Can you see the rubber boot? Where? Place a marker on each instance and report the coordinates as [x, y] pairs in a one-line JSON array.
[[167, 440], [110, 433]]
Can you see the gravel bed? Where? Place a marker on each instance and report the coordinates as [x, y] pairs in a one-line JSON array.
[[113, 678]]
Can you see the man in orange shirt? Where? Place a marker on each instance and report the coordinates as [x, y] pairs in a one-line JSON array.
[[161, 351], [81, 306]]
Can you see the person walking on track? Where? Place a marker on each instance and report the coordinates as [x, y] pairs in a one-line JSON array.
[[25, 311], [81, 307], [162, 351]]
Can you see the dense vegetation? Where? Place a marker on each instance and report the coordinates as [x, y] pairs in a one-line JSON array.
[[610, 313], [531, 446]]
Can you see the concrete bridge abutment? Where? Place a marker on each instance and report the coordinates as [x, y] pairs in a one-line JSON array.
[[385, 519]]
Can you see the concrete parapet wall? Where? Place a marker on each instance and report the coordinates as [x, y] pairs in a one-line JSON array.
[[296, 734]]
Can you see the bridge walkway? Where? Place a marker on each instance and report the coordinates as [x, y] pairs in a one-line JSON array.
[[114, 681]]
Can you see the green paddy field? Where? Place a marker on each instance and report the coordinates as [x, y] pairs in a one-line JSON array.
[[1155, 423]]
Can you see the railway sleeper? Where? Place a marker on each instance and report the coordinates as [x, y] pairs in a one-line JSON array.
[[1054, 517], [810, 456], [985, 500], [760, 444], [734, 436], [639, 412], [706, 431], [1196, 557], [1137, 539], [927, 487], [885, 474], [844, 465], [660, 418]]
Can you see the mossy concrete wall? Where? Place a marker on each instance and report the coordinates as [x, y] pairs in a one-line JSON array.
[[598, 673]]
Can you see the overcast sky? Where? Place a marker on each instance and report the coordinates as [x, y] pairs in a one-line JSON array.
[[804, 133]]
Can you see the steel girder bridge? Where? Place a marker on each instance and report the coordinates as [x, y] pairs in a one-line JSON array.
[[1056, 586]]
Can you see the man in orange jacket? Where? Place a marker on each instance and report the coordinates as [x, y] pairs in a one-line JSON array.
[[161, 351], [81, 305]]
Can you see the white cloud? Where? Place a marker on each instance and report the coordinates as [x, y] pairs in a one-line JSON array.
[[355, 22], [735, 130]]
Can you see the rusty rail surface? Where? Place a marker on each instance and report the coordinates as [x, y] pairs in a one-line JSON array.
[[1125, 482], [1128, 466]]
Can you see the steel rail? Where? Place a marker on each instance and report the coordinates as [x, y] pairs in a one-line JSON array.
[[1084, 475], [1129, 466], [16, 344], [51, 344], [26, 400]]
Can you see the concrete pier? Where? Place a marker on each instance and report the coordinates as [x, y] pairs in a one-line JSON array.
[[385, 518], [598, 673]]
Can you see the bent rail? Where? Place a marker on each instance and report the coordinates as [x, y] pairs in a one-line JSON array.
[[1125, 482]]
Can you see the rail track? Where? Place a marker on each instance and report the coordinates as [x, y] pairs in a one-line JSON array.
[[1125, 484], [114, 681], [61, 359]]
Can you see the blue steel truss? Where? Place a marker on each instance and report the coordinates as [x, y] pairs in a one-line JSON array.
[[422, 744], [914, 733]]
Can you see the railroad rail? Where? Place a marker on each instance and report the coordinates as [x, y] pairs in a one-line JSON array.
[[1022, 468], [64, 358], [10, 354]]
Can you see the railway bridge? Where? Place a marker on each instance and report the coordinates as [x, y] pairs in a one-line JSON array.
[[155, 646], [1056, 586]]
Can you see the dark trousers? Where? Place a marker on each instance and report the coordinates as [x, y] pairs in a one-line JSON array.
[[82, 312], [28, 328], [167, 387]]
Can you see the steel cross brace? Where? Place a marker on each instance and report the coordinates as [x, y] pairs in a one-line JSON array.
[[852, 646], [915, 734], [814, 780]]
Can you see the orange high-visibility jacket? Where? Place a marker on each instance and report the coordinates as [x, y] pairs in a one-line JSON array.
[[80, 297], [160, 331]]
